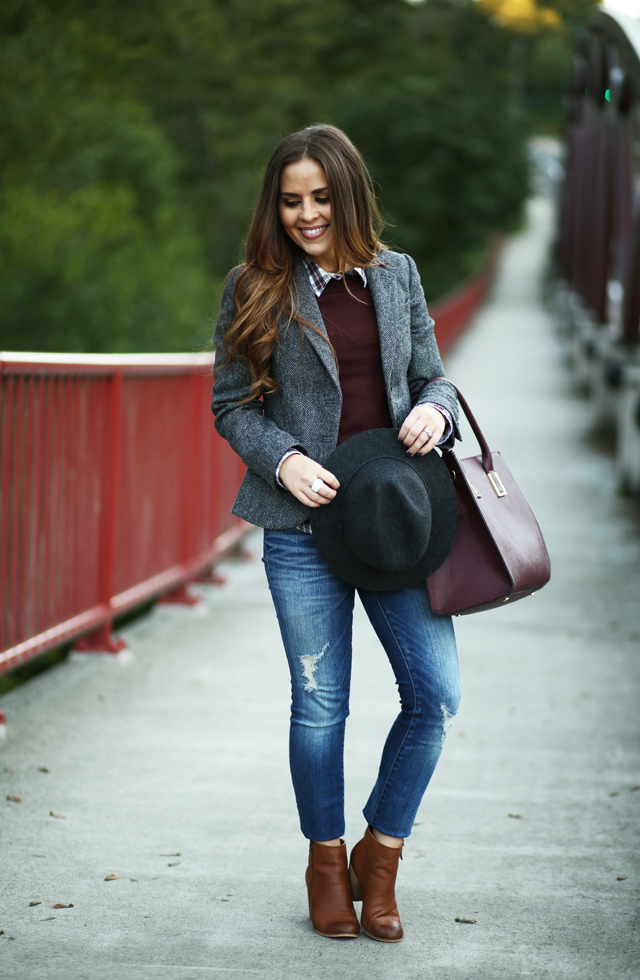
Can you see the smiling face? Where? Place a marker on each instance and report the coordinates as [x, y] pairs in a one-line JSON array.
[[305, 210]]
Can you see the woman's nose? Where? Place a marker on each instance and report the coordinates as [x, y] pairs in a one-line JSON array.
[[308, 211]]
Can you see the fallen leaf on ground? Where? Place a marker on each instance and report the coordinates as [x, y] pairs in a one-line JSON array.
[[60, 816], [14, 799], [616, 793], [176, 855], [1, 932], [515, 816], [172, 864], [61, 905], [622, 877], [469, 921], [7, 769], [42, 769], [634, 788], [34, 903], [112, 877]]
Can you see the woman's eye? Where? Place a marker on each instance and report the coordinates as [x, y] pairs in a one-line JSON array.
[[322, 200], [292, 204]]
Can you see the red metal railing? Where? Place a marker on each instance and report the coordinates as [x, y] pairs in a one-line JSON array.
[[114, 489], [453, 311]]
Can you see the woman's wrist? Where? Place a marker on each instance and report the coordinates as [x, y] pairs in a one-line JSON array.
[[448, 428], [290, 452]]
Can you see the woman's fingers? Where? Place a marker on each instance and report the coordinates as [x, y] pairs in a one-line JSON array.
[[322, 488], [421, 430], [423, 443], [306, 500], [329, 479], [406, 425]]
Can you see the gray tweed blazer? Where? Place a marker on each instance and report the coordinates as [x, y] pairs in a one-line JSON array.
[[305, 411]]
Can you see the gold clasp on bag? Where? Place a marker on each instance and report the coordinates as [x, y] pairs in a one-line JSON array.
[[497, 484], [477, 492]]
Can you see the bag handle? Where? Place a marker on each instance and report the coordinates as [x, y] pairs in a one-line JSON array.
[[487, 461]]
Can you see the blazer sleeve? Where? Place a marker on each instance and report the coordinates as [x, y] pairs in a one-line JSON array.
[[258, 441], [426, 362]]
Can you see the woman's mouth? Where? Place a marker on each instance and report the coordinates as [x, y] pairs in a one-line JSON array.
[[312, 233]]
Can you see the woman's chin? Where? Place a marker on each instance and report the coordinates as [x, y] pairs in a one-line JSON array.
[[320, 254]]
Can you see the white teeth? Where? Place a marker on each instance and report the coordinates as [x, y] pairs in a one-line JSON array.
[[312, 232]]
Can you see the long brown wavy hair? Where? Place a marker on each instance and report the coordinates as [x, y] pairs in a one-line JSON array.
[[265, 290]]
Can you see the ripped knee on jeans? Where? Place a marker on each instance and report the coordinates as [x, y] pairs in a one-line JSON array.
[[309, 667], [447, 720]]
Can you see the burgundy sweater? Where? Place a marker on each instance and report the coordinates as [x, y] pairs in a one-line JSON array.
[[353, 330]]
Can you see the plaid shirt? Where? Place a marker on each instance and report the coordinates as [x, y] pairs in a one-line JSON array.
[[319, 279]]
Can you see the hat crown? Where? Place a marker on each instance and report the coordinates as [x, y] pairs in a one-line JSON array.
[[387, 514], [393, 520]]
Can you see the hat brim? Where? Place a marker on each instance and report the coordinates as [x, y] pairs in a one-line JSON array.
[[327, 521]]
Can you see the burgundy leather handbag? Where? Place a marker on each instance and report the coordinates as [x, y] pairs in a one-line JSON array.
[[498, 554]]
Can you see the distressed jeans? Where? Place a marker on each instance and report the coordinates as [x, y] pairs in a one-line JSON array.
[[315, 613]]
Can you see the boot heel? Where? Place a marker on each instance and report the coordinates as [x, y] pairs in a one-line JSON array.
[[356, 891]]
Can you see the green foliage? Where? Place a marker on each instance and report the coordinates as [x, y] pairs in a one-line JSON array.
[[134, 134], [97, 252], [573, 13], [543, 62], [548, 62], [445, 140]]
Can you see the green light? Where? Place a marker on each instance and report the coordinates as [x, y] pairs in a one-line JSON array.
[[607, 95]]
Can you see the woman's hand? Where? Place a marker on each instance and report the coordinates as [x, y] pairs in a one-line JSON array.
[[299, 472], [421, 430]]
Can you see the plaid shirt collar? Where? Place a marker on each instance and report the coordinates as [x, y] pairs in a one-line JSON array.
[[319, 278]]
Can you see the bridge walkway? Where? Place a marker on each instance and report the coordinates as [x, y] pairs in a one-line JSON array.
[[167, 765]]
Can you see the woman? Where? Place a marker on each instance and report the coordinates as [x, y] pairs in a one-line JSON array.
[[323, 334]]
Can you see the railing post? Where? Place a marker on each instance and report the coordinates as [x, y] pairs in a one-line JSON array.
[[102, 640]]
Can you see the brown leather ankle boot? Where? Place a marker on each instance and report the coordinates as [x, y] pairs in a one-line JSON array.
[[372, 870], [330, 907]]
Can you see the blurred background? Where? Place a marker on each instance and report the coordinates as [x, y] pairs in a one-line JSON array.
[[133, 136]]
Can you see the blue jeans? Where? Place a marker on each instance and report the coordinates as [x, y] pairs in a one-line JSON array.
[[315, 612]]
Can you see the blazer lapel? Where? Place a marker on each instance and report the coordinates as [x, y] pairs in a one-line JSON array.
[[383, 285], [309, 310]]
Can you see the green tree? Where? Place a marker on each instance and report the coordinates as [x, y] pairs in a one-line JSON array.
[[135, 134], [96, 251]]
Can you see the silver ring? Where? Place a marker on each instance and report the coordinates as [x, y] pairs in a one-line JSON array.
[[317, 483], [429, 433]]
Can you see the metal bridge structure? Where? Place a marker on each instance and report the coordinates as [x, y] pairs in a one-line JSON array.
[[595, 285]]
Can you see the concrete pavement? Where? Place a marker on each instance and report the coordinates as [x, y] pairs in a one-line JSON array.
[[168, 765]]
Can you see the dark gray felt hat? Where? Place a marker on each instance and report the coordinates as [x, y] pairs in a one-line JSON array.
[[393, 520]]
